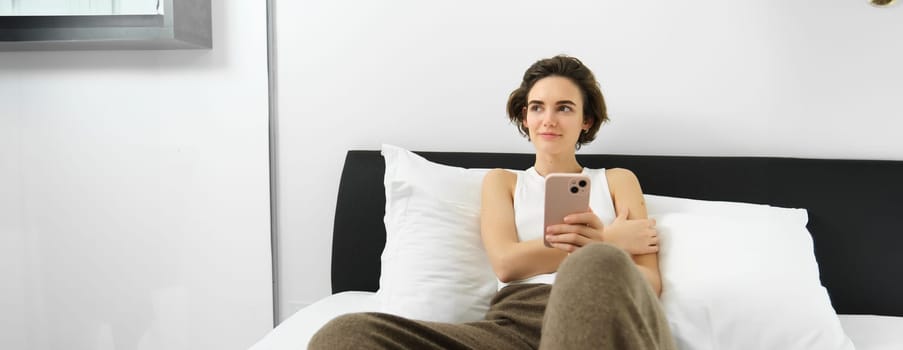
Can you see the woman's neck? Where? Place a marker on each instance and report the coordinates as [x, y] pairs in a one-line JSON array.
[[547, 164]]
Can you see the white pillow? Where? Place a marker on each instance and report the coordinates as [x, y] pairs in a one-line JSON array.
[[434, 267], [742, 276]]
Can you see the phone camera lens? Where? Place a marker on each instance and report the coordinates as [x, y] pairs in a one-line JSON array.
[[574, 189], [582, 183]]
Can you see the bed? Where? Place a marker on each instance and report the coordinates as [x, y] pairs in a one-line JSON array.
[[851, 212]]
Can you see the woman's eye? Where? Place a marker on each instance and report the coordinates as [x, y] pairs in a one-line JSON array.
[[565, 109], [535, 108]]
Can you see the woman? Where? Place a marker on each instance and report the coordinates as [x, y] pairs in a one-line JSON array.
[[596, 288]]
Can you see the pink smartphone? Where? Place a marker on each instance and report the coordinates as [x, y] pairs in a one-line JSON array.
[[566, 194]]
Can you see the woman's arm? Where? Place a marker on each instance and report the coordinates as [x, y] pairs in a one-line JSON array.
[[630, 231], [511, 259], [628, 196]]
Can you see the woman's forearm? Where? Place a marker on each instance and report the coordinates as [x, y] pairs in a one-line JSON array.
[[522, 260], [653, 277]]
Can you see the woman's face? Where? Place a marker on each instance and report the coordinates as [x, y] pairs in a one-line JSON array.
[[555, 115]]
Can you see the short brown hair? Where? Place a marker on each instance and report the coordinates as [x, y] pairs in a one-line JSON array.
[[567, 67]]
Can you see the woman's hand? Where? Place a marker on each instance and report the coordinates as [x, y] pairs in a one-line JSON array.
[[635, 236], [577, 230]]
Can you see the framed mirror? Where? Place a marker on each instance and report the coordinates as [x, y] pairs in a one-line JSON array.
[[104, 24], [79, 7]]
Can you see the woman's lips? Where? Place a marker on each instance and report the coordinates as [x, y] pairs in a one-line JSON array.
[[548, 135]]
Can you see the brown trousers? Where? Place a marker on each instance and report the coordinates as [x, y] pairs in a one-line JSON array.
[[600, 300]]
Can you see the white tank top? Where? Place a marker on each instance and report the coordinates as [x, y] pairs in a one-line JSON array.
[[529, 201]]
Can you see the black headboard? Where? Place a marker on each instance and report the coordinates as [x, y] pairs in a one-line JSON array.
[[854, 218]]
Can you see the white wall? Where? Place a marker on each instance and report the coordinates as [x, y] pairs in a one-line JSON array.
[[134, 194], [701, 77]]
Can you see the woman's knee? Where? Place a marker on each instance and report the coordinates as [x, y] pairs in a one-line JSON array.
[[599, 254], [343, 332], [586, 263]]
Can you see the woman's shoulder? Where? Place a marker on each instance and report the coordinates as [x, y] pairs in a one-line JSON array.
[[620, 174], [621, 179], [499, 174], [499, 179]]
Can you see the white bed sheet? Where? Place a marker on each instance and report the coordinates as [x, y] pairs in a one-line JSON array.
[[868, 332], [295, 332]]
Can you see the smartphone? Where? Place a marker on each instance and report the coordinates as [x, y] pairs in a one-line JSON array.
[[566, 194]]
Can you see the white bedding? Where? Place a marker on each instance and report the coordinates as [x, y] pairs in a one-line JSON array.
[[295, 332], [868, 332]]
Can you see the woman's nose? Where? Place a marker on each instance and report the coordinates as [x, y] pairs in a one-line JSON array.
[[548, 118]]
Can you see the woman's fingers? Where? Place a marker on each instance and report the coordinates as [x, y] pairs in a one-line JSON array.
[[570, 248], [586, 231], [587, 219], [568, 238], [653, 246]]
